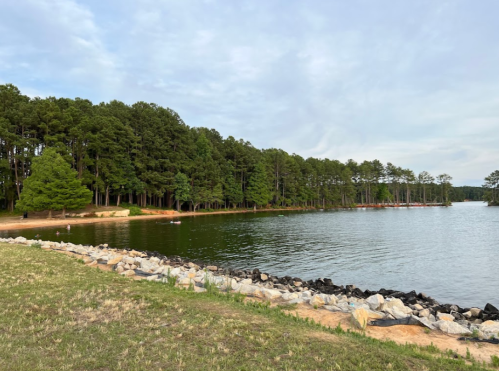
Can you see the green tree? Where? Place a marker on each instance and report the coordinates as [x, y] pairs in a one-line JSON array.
[[445, 186], [53, 185], [424, 179], [492, 182], [182, 189], [383, 193], [233, 190], [258, 191]]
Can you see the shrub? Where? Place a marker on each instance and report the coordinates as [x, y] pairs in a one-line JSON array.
[[135, 210]]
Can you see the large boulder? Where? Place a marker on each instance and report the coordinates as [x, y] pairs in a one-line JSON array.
[[329, 299], [426, 322], [393, 303], [375, 301], [317, 301], [271, 294], [290, 296], [247, 289], [452, 327], [360, 318], [490, 328], [396, 313], [489, 308]]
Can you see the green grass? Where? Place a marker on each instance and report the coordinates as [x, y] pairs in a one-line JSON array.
[[6, 213], [57, 314]]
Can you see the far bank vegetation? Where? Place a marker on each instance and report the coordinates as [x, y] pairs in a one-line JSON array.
[[145, 155]]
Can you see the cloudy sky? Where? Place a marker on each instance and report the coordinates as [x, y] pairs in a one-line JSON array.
[[415, 83]]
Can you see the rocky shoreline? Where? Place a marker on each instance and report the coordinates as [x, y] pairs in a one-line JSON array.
[[364, 306]]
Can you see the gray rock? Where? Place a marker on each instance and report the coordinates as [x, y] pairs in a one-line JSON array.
[[271, 294], [174, 272], [426, 322], [417, 307], [345, 307], [467, 314], [452, 327], [490, 328], [375, 301], [128, 273], [317, 301], [332, 308], [445, 316], [247, 289], [290, 296], [148, 265], [306, 295], [396, 313], [424, 313], [475, 312], [464, 323], [329, 299], [393, 303]]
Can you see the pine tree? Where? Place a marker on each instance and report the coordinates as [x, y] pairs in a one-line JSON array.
[[53, 185], [233, 190], [258, 190], [182, 189]]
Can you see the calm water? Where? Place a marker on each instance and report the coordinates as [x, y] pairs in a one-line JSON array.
[[448, 253]]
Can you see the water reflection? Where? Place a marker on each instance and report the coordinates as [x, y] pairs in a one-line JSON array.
[[448, 253]]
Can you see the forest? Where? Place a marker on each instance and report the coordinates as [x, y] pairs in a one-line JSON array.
[[146, 155]]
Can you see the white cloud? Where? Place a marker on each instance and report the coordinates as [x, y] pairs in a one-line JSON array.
[[414, 84]]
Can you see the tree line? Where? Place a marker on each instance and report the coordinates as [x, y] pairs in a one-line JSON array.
[[145, 154]]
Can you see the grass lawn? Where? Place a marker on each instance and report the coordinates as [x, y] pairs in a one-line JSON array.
[[57, 314]]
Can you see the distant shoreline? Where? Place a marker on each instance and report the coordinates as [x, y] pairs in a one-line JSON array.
[[55, 222], [14, 223]]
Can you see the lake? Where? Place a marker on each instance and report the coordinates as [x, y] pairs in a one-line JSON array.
[[449, 253]]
